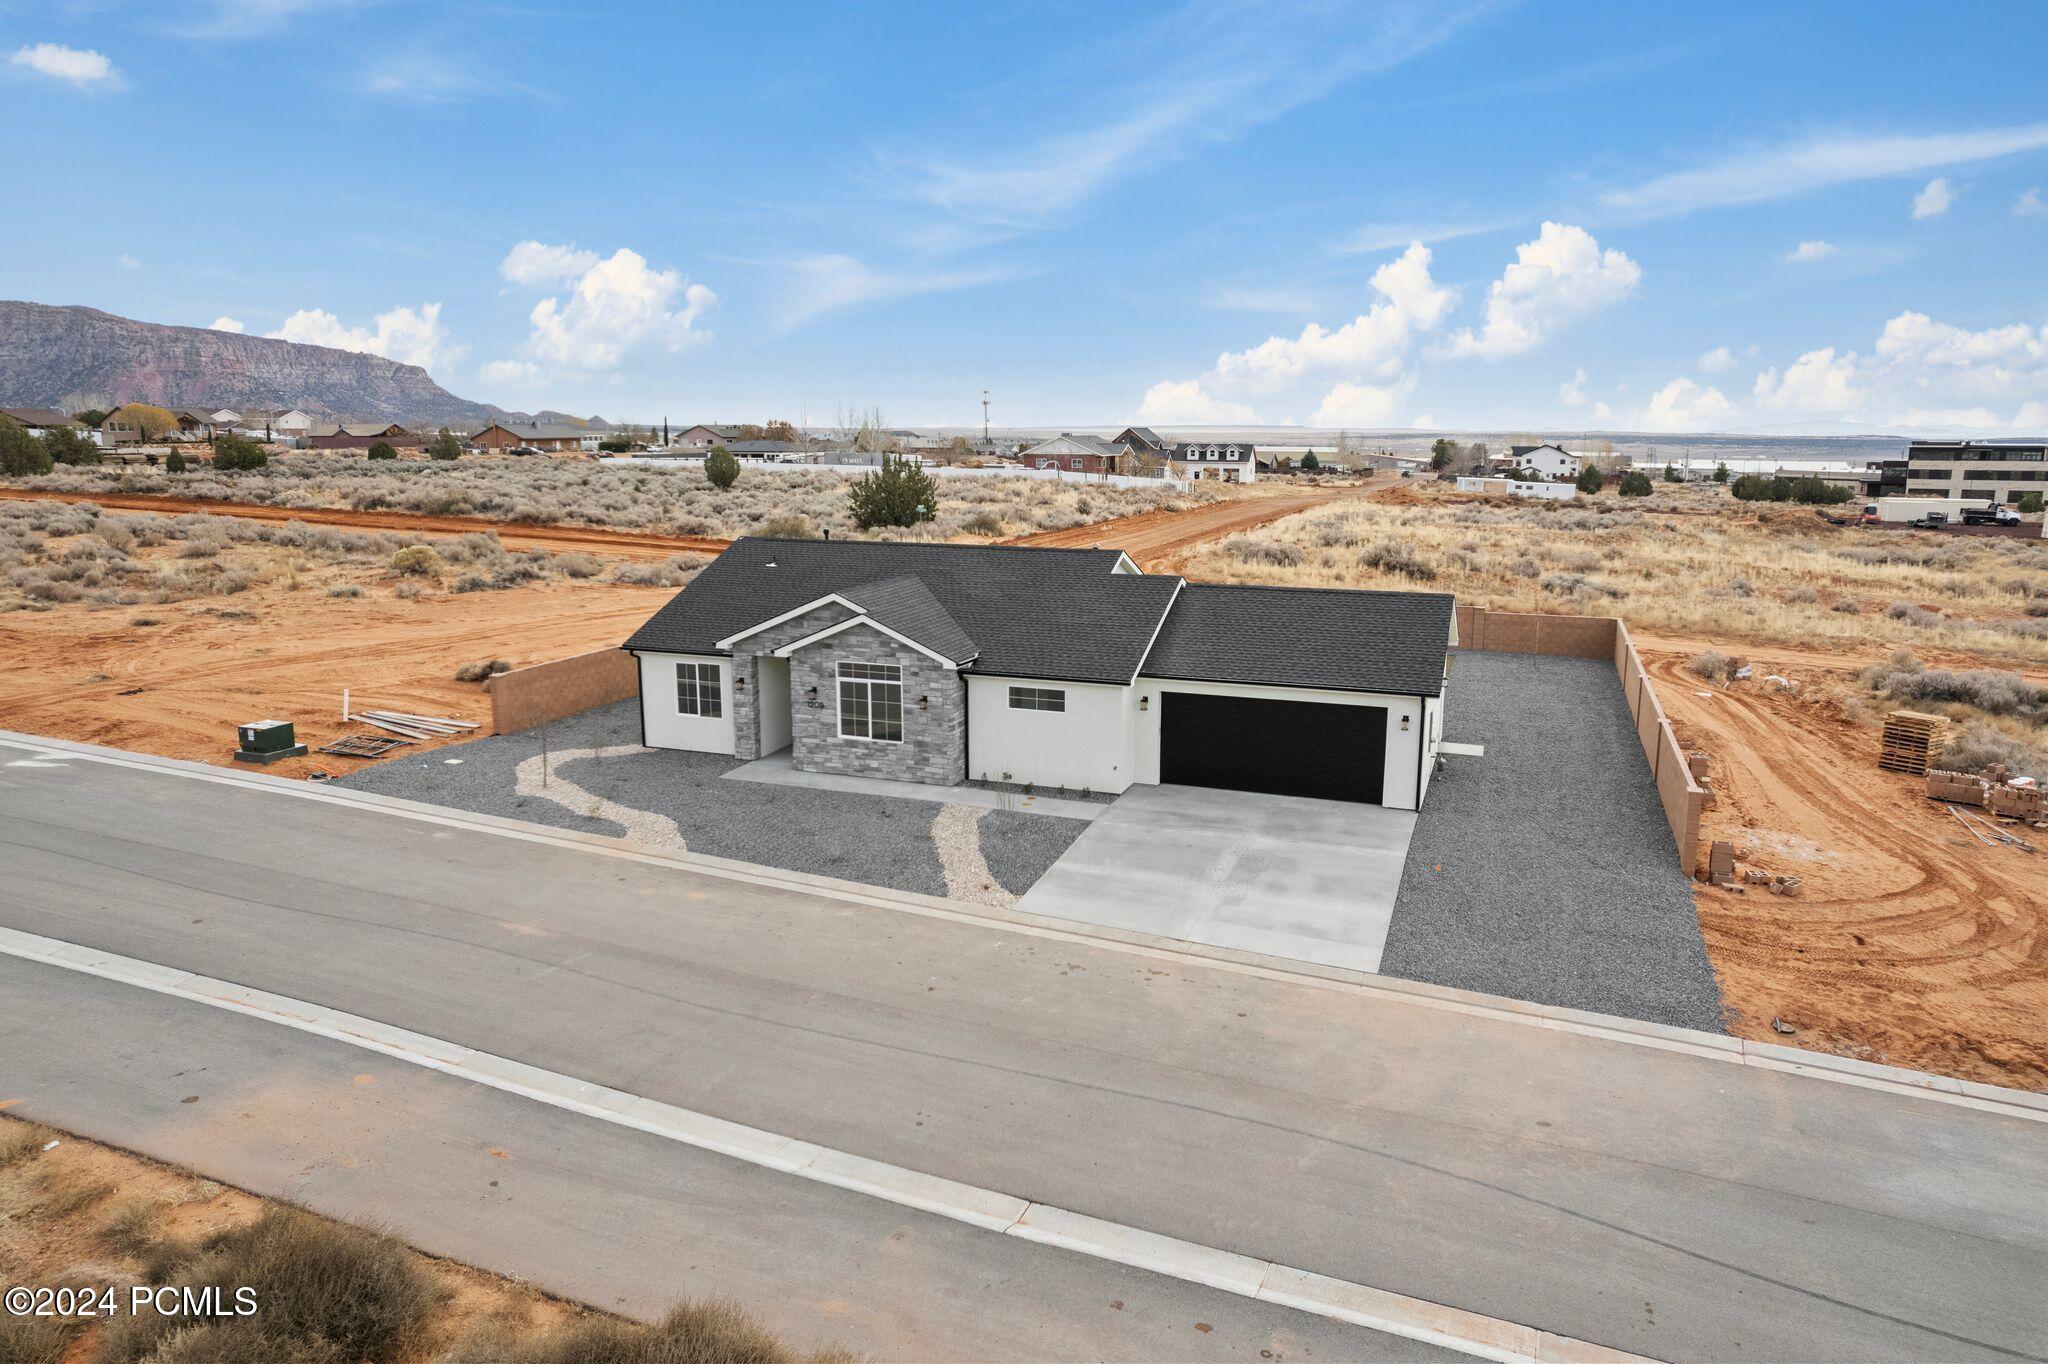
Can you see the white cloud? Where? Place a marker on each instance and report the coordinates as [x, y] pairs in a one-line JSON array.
[[1602, 412], [1809, 251], [2030, 205], [1572, 392], [81, 67], [2033, 417], [1934, 201], [1719, 360], [1207, 73], [1777, 172], [522, 373], [1685, 405], [1183, 402], [1349, 404], [1818, 382], [225, 323], [614, 304], [535, 263], [239, 19], [127, 262], [1372, 237], [816, 285], [1999, 362], [1560, 275], [410, 337], [1372, 344]]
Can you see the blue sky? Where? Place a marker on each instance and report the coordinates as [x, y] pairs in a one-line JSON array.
[[1370, 215]]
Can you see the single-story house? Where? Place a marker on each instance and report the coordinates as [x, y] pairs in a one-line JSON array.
[[772, 450], [37, 420], [1515, 487], [1231, 461], [122, 426], [701, 437], [193, 423], [1058, 667], [361, 436], [1077, 454], [532, 436]]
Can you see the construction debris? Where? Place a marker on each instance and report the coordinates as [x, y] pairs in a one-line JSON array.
[[1912, 742], [362, 746], [1779, 1025], [1721, 864], [1989, 834], [2019, 799], [1785, 885], [413, 726]]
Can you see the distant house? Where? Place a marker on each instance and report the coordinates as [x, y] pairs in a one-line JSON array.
[[193, 423], [38, 420], [1075, 454], [1230, 461], [1551, 461], [122, 427], [773, 450], [702, 437], [361, 436], [535, 436], [1143, 440]]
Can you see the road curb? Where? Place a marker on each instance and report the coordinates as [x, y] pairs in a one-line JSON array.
[[1812, 1065], [989, 1209]]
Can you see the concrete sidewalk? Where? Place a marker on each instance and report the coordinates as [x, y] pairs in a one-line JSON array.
[[1674, 1194]]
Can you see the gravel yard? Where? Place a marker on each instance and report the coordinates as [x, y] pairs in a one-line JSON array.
[[1545, 871], [601, 781]]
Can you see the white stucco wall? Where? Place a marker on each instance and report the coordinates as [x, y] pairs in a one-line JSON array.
[[1402, 790], [1432, 735], [669, 728], [1089, 744]]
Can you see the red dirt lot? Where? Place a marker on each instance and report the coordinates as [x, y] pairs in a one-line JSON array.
[[1912, 943]]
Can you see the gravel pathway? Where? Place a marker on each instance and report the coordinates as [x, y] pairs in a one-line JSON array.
[[1545, 871], [957, 833], [615, 787]]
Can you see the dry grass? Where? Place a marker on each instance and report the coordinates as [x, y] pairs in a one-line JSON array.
[[638, 497], [52, 553], [327, 1292], [1686, 563]]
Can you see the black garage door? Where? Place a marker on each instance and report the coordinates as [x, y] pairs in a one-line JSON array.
[[1288, 748]]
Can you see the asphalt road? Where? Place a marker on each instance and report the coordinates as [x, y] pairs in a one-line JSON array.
[[1647, 1199]]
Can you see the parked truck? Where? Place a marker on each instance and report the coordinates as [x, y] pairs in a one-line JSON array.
[[1997, 514]]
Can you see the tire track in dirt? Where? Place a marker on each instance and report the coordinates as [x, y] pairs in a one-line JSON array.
[[1911, 943], [1151, 538], [621, 544]]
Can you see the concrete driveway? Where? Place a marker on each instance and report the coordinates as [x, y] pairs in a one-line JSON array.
[[1313, 880]]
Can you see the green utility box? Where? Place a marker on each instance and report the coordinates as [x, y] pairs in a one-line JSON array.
[[265, 741]]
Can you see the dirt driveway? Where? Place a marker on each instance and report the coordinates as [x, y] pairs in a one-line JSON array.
[[1153, 539]]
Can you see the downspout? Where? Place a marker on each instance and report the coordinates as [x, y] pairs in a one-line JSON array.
[[1421, 750]]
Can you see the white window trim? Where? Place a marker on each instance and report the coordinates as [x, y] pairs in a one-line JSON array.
[[1010, 698], [717, 688], [839, 697], [905, 640]]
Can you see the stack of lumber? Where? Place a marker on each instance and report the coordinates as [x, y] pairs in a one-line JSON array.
[[1912, 742], [413, 726]]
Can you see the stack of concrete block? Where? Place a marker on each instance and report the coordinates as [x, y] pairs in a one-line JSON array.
[[1961, 788], [1721, 864], [2019, 802], [2018, 799]]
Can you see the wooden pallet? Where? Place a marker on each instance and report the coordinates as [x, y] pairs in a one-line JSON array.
[[362, 746], [1913, 742]]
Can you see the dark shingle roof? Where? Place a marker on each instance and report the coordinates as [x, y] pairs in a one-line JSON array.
[[37, 416], [907, 606], [1062, 614], [1338, 638]]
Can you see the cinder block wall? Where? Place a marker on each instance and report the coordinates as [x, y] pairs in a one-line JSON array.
[[524, 697], [1604, 637]]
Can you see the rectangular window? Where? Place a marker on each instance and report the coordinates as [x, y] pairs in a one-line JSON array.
[[1037, 698], [871, 702], [698, 691]]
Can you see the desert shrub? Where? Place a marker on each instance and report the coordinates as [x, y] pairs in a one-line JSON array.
[[721, 470], [1713, 665], [789, 526], [897, 494], [474, 582], [1563, 584], [174, 463], [1742, 587], [232, 454], [670, 573], [380, 450], [1904, 678], [406, 591], [1388, 557], [478, 671], [1590, 479], [1847, 606], [713, 1332], [2029, 503], [326, 1292], [579, 565], [1635, 483], [416, 561], [1802, 596], [21, 455], [445, 446], [1913, 615], [20, 1140], [346, 590], [68, 446], [1979, 746], [1272, 553], [983, 523], [1526, 567]]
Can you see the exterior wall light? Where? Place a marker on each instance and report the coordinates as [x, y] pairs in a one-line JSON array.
[[1404, 724], [1144, 703], [739, 683], [811, 695], [924, 703]]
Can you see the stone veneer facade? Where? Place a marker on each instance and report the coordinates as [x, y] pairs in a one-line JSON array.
[[934, 747]]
